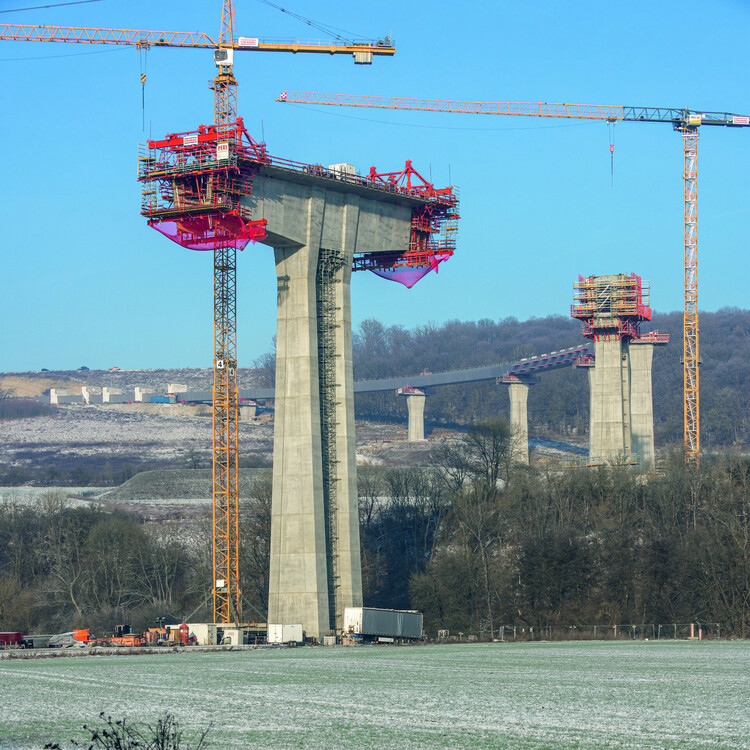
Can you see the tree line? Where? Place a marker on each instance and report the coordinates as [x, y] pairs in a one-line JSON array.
[[472, 540], [559, 404], [65, 567], [475, 542]]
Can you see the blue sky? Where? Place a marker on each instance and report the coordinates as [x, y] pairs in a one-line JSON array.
[[85, 281]]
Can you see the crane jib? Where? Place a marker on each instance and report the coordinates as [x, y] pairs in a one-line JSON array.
[[684, 116]]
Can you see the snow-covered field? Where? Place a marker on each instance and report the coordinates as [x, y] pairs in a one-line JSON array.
[[545, 696], [98, 435]]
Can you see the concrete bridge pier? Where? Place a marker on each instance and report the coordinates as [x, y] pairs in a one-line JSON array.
[[518, 393], [315, 229], [622, 405], [415, 405], [609, 382], [642, 403]]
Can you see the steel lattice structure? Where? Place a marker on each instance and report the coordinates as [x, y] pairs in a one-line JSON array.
[[227, 593], [691, 373], [227, 597]]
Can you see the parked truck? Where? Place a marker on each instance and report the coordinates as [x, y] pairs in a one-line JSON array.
[[12, 639], [370, 624]]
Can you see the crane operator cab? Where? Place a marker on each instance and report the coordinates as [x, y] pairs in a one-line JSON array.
[[223, 57]]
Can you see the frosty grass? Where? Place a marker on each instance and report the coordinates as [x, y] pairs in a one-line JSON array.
[[516, 696]]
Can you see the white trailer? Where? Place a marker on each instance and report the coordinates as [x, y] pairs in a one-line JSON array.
[[383, 624], [286, 632]]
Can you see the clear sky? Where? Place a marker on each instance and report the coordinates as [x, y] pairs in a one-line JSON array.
[[85, 282]]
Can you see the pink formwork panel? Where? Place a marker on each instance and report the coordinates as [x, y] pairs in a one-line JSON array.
[[208, 233], [410, 275]]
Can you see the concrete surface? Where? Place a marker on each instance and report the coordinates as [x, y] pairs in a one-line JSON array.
[[302, 218]]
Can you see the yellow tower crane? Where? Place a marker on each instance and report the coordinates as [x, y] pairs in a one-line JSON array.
[[225, 585], [685, 121]]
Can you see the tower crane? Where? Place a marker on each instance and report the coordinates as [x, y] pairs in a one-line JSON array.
[[220, 227], [685, 121]]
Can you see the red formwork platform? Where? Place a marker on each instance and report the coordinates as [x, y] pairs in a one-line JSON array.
[[612, 306], [194, 184]]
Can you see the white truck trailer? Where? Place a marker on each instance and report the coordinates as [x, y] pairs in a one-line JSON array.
[[286, 632], [372, 624]]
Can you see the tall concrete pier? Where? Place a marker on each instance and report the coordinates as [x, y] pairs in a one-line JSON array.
[[415, 405], [518, 392], [621, 428], [315, 225], [609, 382], [641, 402]]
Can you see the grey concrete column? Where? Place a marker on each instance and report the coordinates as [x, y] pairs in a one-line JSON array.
[[519, 422], [247, 412], [298, 589], [642, 404], [415, 407], [315, 226], [347, 546], [609, 380]]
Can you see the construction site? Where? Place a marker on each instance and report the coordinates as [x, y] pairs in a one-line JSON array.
[[218, 189]]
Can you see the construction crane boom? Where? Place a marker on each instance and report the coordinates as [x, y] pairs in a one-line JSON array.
[[684, 121], [522, 109], [146, 39]]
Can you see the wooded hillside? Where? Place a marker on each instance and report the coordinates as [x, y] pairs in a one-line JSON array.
[[559, 404]]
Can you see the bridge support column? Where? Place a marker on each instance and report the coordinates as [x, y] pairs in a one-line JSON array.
[[315, 568], [642, 404], [519, 422], [609, 381], [415, 405]]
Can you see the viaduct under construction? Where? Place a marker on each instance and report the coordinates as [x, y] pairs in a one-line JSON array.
[[217, 189]]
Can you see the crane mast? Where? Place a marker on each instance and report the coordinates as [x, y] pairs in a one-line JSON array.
[[690, 339], [684, 121], [226, 585]]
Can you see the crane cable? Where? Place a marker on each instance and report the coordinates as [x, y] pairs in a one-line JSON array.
[[611, 128], [332, 30], [142, 61]]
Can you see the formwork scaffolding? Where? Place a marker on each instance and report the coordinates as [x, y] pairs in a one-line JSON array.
[[194, 184], [611, 307], [330, 263], [434, 228]]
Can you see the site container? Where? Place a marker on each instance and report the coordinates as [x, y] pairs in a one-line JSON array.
[[12, 639], [342, 168], [203, 632], [232, 636], [286, 632], [38, 641], [370, 622]]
